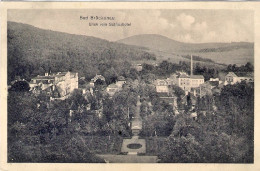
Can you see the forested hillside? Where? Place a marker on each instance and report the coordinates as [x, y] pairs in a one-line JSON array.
[[33, 51]]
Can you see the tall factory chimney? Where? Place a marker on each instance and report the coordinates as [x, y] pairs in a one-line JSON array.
[[191, 66]]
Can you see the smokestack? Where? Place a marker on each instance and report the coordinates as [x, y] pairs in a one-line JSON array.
[[191, 66]]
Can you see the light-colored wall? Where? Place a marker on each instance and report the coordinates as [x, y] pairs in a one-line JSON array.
[[184, 83], [196, 82], [162, 89]]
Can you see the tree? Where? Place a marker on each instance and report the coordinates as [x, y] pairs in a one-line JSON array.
[[20, 86]]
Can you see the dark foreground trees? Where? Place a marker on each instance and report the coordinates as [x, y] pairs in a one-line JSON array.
[[37, 133], [222, 136], [67, 131]]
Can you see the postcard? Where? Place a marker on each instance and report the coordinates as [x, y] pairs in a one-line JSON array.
[[129, 86]]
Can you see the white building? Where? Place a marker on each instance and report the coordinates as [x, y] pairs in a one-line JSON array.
[[232, 78], [162, 86], [63, 83]]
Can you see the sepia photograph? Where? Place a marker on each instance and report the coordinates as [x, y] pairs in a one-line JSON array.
[[130, 86]]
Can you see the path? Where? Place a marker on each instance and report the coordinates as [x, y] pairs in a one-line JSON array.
[[136, 126], [132, 154]]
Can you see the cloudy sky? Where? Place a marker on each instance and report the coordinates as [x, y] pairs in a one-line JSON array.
[[195, 26]]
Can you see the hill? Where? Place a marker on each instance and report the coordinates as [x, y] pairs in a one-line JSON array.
[[33, 51], [227, 53]]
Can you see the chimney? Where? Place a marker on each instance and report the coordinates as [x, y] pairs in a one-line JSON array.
[[191, 66]]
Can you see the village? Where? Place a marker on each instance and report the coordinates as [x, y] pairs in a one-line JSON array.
[[179, 93], [58, 86]]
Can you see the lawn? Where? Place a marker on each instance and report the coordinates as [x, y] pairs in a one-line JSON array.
[[102, 144]]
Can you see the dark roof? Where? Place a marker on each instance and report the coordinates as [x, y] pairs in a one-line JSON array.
[[163, 94], [214, 83], [184, 76], [197, 76], [121, 78]]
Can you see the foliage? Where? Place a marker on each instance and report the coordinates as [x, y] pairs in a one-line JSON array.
[[33, 51], [47, 129], [224, 135], [248, 67]]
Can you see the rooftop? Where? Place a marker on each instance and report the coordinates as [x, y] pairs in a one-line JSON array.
[[214, 83], [184, 76], [112, 86], [121, 78], [197, 77]]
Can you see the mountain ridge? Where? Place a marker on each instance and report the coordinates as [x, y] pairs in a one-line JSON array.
[[232, 52]]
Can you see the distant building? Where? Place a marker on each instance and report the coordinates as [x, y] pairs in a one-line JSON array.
[[173, 79], [120, 81], [97, 77], [196, 80], [214, 79], [113, 88], [187, 82], [56, 85], [184, 82], [232, 78], [162, 86], [138, 67]]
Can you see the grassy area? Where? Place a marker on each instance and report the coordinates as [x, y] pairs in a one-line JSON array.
[[128, 158], [154, 145], [104, 145]]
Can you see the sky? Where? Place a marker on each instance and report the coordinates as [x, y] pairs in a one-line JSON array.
[[192, 26]]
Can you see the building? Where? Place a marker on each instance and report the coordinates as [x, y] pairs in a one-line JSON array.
[[161, 86], [58, 85], [138, 67], [196, 80], [97, 77], [232, 78], [184, 82], [120, 81], [187, 82], [113, 88]]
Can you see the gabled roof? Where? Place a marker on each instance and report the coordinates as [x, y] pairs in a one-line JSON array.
[[232, 74], [197, 77], [214, 83], [184, 76]]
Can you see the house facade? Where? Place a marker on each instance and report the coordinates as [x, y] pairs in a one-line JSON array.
[[232, 78], [184, 82], [59, 84], [162, 86], [196, 80], [113, 88]]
